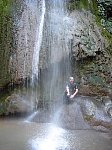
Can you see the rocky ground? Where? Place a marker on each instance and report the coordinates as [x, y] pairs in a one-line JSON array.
[[87, 113], [84, 112]]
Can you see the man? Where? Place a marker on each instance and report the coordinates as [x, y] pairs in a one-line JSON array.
[[71, 90]]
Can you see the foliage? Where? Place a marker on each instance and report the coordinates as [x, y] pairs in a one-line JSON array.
[[6, 39], [88, 117], [77, 4], [100, 8], [3, 103], [10, 11], [104, 12], [82, 4]]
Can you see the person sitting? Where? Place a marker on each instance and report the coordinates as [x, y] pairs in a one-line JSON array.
[[71, 90]]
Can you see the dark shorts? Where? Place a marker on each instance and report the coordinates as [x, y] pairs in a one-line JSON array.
[[66, 99]]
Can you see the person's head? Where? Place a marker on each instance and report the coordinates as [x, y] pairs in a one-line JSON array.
[[71, 79]]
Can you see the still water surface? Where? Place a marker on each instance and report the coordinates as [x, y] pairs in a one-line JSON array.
[[21, 135]]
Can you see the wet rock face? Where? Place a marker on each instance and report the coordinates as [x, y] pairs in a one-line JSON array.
[[86, 113], [16, 104], [6, 41], [87, 40], [91, 63], [21, 61]]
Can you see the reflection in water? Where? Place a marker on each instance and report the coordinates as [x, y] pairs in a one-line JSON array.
[[52, 141]]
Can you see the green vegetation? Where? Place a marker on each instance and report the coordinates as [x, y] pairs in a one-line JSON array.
[[101, 9], [3, 103], [83, 4], [6, 39], [88, 117], [5, 7], [104, 18]]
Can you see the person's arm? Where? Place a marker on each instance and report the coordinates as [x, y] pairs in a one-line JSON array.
[[67, 89], [76, 91]]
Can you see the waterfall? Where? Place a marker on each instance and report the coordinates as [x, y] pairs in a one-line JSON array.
[[51, 36], [40, 9], [38, 41], [56, 43], [44, 27], [29, 27]]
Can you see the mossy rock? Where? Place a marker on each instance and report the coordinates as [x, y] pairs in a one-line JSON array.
[[6, 40], [88, 117]]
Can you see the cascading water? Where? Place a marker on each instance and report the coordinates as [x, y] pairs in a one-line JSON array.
[[45, 26], [38, 10], [57, 45], [38, 41], [29, 38]]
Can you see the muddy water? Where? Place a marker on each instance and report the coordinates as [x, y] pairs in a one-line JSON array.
[[21, 135]]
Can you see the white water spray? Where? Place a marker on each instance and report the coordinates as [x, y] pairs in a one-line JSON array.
[[29, 119], [53, 140], [38, 41], [57, 44]]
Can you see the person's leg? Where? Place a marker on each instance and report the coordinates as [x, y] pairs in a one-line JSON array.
[[65, 98]]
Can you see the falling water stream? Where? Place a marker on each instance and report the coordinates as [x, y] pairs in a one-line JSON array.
[[38, 41], [57, 45], [51, 34], [37, 47]]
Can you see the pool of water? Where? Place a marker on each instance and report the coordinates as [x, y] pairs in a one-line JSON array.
[[22, 135]]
